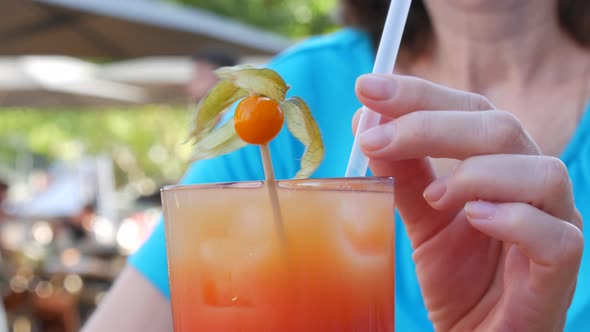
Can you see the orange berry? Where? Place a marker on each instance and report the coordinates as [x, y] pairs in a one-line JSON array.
[[258, 119]]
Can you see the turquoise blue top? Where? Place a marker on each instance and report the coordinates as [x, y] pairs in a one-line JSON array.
[[323, 70]]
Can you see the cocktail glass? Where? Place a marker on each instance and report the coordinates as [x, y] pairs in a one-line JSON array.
[[327, 265]]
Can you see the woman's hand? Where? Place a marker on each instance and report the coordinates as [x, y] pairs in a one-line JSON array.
[[497, 242]]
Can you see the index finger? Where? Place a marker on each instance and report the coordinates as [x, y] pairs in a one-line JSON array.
[[396, 95]]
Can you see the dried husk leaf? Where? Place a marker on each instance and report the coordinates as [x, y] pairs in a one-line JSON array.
[[218, 142], [261, 81], [208, 112], [302, 125]]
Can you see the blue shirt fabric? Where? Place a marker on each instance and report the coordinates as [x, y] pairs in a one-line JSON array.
[[323, 70]]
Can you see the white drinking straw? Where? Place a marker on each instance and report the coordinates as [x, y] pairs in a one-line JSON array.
[[384, 63]]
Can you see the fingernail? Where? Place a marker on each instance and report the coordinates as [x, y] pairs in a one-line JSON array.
[[435, 191], [376, 87], [480, 210], [377, 138]]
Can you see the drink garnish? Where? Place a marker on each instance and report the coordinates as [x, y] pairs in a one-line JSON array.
[[258, 117]]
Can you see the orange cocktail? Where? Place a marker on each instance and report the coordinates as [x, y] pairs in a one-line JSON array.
[[329, 268]]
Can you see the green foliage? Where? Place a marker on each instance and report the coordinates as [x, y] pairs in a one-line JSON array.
[[144, 142], [293, 18]]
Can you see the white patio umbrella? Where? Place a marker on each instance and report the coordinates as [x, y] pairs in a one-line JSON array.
[[42, 81], [122, 29]]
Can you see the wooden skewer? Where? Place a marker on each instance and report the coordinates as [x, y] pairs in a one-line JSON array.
[[271, 185]]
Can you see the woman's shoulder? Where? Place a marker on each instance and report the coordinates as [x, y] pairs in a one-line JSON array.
[[578, 149], [316, 48], [577, 158]]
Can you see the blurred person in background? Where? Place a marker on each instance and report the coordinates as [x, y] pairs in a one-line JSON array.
[[3, 215], [3, 196], [203, 77], [489, 236], [3, 191], [80, 223], [76, 226]]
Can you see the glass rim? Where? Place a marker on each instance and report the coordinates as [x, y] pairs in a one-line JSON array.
[[368, 183]]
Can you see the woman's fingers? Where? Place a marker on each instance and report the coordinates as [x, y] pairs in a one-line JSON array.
[[395, 95], [357, 116], [538, 180], [548, 241], [447, 134], [554, 247], [411, 178]]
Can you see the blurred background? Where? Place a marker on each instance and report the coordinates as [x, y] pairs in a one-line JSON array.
[[94, 104]]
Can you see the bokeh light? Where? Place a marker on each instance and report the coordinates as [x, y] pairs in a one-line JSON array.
[[44, 289], [70, 257], [73, 283], [42, 232]]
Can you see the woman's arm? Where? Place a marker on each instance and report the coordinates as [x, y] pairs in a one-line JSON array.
[[132, 304]]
